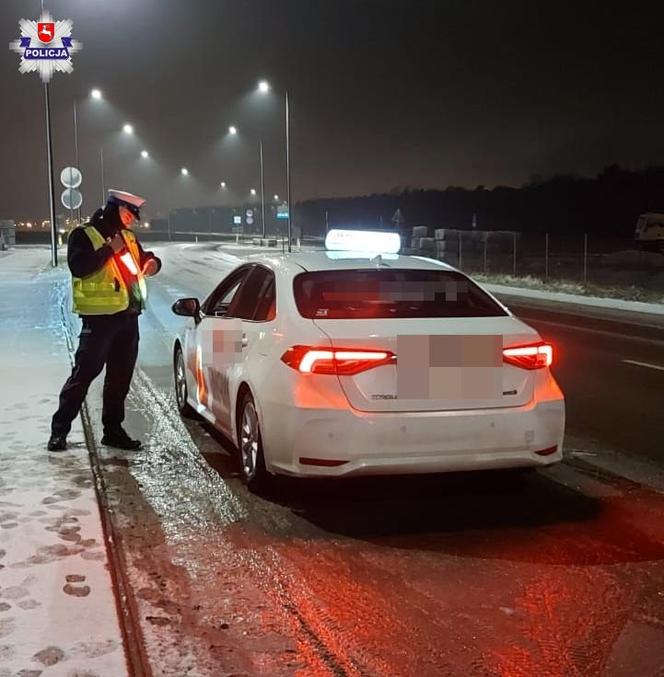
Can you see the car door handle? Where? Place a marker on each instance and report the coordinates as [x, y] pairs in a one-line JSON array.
[[245, 341]]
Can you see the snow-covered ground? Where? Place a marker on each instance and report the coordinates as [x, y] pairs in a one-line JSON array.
[[578, 299], [57, 607]]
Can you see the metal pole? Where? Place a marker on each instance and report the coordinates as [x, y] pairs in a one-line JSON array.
[[514, 257], [103, 188], [51, 193], [260, 151], [546, 257], [585, 258], [288, 175], [76, 158], [459, 261], [327, 223], [486, 242]]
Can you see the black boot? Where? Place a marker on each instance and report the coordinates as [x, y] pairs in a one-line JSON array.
[[57, 442], [119, 439]]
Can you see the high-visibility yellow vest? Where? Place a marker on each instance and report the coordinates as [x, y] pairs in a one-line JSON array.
[[105, 291]]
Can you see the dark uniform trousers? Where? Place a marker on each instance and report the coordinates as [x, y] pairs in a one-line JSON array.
[[110, 340]]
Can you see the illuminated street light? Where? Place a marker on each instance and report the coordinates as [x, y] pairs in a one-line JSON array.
[[96, 94], [223, 184], [128, 129], [232, 130], [276, 198], [264, 88], [145, 154], [184, 171], [253, 191]]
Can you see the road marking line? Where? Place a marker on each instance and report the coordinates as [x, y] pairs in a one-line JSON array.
[[644, 364]]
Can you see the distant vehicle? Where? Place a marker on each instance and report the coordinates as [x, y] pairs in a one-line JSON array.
[[649, 232], [361, 361]]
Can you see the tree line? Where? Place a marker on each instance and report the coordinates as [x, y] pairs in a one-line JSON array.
[[607, 204]]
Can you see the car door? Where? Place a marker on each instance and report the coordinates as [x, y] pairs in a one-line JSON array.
[[253, 306], [215, 344]]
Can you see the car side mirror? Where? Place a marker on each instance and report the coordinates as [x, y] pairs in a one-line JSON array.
[[189, 307]]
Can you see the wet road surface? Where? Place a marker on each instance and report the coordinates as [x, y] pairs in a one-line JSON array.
[[557, 573]]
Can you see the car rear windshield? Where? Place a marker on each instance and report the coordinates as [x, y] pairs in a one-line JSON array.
[[372, 294]]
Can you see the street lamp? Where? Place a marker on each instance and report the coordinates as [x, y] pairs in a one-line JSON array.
[[253, 192], [145, 154], [276, 198], [233, 131], [264, 88], [184, 171], [97, 96], [128, 129], [223, 184]]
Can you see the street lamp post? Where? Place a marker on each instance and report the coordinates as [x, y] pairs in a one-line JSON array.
[[288, 173], [101, 165], [264, 88], [78, 211], [51, 192], [260, 152], [232, 130]]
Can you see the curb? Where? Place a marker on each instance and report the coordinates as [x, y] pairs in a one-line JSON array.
[[133, 640]]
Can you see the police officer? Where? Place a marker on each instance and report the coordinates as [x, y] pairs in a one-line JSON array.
[[108, 266]]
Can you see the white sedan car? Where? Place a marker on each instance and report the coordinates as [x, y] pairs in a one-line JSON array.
[[334, 364]]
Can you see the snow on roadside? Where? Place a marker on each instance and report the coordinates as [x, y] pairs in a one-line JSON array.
[[578, 299], [57, 607]]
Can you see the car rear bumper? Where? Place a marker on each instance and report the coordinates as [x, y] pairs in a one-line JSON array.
[[337, 443]]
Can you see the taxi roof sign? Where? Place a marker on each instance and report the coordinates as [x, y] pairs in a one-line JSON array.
[[367, 241]]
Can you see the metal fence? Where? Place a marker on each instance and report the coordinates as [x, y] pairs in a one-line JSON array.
[[581, 258]]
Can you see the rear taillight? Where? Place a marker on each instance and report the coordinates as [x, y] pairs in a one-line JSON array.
[[340, 361], [531, 356]]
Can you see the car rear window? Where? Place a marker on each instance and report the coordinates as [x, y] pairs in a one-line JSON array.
[[372, 294]]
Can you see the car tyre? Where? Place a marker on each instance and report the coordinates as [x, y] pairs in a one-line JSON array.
[[185, 409], [250, 446]]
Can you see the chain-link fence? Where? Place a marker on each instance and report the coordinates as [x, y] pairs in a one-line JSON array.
[[584, 259]]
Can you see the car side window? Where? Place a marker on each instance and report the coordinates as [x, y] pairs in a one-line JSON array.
[[266, 308], [246, 301], [222, 297]]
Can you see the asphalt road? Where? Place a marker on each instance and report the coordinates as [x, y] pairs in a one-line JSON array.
[[561, 573]]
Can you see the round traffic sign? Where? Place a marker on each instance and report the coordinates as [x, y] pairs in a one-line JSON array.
[[250, 220], [71, 198], [70, 177], [250, 213]]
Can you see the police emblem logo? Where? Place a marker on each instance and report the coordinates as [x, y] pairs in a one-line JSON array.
[[45, 46]]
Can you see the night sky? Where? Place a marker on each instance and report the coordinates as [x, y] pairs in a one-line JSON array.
[[384, 94]]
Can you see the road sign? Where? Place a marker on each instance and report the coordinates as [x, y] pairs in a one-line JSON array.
[[70, 177], [71, 198], [250, 213], [250, 220], [237, 220], [282, 211]]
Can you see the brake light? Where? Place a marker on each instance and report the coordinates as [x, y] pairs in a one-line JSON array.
[[341, 361], [532, 356]]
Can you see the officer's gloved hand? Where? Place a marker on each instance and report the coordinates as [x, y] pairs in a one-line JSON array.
[[116, 243], [150, 267]]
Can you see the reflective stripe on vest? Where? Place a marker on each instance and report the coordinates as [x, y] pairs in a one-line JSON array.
[[105, 292]]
